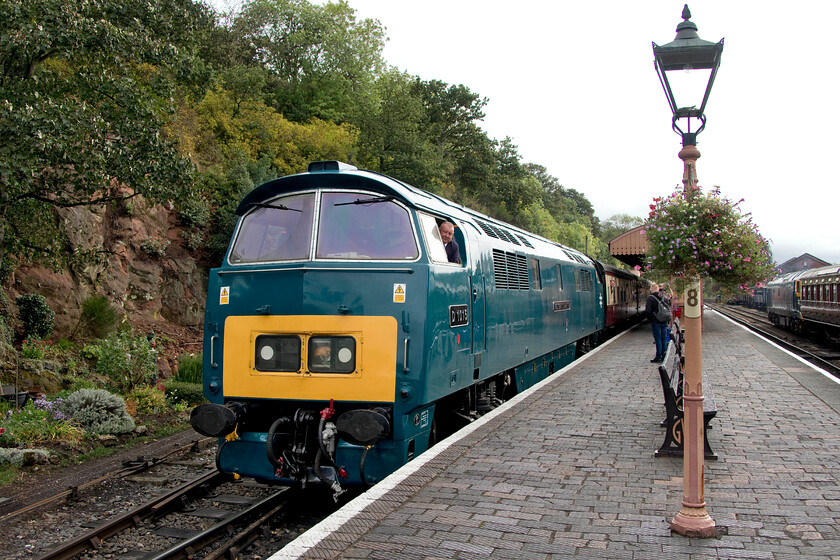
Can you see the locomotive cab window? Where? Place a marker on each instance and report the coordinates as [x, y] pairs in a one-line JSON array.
[[277, 230], [364, 226], [434, 242]]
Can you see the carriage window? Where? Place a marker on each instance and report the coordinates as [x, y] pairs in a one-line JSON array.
[[364, 226], [278, 230]]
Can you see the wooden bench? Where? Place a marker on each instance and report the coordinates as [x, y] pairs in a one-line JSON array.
[[671, 376]]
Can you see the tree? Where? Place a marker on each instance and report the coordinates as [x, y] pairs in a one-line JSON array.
[[617, 224], [85, 90], [322, 59]]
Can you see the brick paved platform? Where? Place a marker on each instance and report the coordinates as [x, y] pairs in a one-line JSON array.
[[568, 471]]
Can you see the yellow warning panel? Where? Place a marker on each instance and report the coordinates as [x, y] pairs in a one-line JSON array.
[[399, 293]]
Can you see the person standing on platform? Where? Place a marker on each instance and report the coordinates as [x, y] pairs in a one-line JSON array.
[[447, 232], [655, 310]]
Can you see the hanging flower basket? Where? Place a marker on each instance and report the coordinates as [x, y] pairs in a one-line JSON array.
[[705, 235]]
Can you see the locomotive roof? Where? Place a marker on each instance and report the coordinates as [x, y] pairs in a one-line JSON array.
[[338, 175]]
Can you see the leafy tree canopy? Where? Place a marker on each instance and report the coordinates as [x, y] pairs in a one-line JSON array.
[[321, 58], [85, 90], [97, 95]]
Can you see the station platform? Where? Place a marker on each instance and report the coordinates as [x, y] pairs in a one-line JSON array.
[[567, 469]]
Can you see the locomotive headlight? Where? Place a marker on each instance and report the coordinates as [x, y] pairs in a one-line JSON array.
[[266, 352], [345, 355], [332, 354]]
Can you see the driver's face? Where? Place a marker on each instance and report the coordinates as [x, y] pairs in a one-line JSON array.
[[446, 233]]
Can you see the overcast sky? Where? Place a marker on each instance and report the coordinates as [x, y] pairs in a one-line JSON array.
[[573, 84]]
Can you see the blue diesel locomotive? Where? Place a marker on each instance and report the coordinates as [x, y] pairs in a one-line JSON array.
[[340, 342]]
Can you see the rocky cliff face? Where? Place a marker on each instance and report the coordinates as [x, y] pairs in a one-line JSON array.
[[148, 274]]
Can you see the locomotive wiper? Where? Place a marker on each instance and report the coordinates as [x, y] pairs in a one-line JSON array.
[[275, 206], [375, 200]]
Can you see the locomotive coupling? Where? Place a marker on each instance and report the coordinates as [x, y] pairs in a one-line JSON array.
[[215, 420]]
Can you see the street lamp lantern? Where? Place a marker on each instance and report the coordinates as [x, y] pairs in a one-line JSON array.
[[687, 67]]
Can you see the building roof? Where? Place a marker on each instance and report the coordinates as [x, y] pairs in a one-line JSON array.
[[630, 247]]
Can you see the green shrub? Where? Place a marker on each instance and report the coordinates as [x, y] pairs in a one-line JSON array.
[[194, 212], [178, 392], [189, 368], [76, 384], [6, 331], [129, 361], [97, 319], [98, 411], [34, 349], [18, 457], [36, 316], [37, 421], [155, 247], [147, 400]]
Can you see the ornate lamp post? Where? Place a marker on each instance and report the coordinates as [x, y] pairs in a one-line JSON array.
[[690, 63]]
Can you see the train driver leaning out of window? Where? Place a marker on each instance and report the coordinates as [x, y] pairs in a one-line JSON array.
[[447, 231]]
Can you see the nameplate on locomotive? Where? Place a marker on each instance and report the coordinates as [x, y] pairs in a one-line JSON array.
[[459, 315], [562, 305]]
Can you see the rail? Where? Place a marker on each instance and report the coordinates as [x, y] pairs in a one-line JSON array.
[[126, 471]]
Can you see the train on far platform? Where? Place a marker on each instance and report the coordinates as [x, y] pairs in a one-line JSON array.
[[806, 300], [340, 342]]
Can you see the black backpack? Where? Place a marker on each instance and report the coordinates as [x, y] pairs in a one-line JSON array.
[[663, 311]]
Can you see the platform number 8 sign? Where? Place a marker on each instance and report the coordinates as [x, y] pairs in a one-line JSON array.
[[692, 300]]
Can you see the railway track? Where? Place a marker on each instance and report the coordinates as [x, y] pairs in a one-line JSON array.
[[228, 516], [813, 352], [174, 506], [129, 469]]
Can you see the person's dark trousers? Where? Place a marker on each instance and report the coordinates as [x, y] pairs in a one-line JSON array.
[[660, 336]]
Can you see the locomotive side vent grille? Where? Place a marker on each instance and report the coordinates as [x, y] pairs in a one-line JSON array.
[[521, 265], [525, 241], [488, 229], [498, 233], [504, 234], [500, 269], [585, 280], [575, 257], [510, 271]]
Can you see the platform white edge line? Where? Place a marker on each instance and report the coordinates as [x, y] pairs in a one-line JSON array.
[[786, 351], [316, 534]]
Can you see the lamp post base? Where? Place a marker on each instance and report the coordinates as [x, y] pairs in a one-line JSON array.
[[694, 521]]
